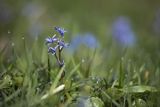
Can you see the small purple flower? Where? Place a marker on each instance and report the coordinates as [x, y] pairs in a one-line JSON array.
[[63, 44], [122, 31], [51, 40], [61, 31], [52, 50]]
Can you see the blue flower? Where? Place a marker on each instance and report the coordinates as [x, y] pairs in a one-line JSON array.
[[122, 31], [63, 44], [61, 31], [57, 42], [52, 50], [87, 39], [90, 41], [51, 40]]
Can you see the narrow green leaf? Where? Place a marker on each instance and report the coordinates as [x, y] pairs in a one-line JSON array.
[[110, 98], [72, 72], [139, 89], [121, 74], [55, 83]]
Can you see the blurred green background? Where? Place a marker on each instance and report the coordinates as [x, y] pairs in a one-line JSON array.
[[32, 18], [36, 19]]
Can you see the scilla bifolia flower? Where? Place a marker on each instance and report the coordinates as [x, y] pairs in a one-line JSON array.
[[61, 31], [56, 44]]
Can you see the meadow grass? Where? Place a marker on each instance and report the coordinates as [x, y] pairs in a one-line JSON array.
[[106, 76]]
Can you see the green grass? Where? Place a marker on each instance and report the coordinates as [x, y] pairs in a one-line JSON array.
[[109, 76]]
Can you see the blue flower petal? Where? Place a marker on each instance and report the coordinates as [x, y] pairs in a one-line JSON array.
[[61, 31], [51, 40], [52, 50], [63, 44]]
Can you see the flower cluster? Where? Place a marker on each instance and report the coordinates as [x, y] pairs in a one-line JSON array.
[[56, 44]]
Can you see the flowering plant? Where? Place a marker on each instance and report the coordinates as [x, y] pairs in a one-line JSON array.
[[56, 44]]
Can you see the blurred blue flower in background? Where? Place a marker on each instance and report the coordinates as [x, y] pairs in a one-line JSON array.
[[87, 39], [90, 41], [32, 13], [122, 31]]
